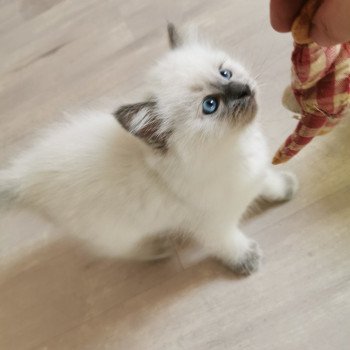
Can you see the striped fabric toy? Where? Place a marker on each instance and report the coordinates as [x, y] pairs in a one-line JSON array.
[[321, 87]]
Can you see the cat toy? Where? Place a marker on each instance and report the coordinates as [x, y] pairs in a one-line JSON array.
[[320, 85]]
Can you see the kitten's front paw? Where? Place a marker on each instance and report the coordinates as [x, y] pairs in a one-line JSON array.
[[291, 186], [280, 187], [249, 262]]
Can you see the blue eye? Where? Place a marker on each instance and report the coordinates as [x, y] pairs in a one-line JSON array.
[[227, 74], [210, 105]]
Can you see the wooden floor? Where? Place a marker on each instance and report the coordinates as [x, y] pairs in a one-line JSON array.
[[58, 55]]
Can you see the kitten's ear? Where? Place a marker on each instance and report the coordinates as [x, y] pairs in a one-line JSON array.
[[187, 36], [174, 37], [143, 121]]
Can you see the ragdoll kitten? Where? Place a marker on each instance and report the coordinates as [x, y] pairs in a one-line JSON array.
[[189, 159]]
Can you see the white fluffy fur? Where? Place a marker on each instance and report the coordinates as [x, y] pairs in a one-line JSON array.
[[110, 188]]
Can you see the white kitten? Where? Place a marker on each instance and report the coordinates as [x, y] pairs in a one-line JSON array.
[[190, 159]]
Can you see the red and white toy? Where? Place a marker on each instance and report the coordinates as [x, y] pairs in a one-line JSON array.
[[320, 87]]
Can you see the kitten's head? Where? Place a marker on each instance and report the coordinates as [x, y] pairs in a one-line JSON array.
[[198, 93]]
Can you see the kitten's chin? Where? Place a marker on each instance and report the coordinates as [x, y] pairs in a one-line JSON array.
[[246, 112]]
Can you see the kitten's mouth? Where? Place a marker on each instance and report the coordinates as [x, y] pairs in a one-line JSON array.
[[240, 101], [245, 109]]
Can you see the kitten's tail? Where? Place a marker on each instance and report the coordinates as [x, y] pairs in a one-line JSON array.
[[9, 189]]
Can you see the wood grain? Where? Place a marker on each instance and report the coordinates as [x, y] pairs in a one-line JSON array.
[[61, 55]]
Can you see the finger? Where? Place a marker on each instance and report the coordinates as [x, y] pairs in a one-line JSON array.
[[283, 13], [331, 23]]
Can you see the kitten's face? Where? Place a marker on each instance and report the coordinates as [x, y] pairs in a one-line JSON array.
[[203, 90], [197, 93]]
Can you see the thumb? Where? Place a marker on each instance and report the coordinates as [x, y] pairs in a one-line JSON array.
[[331, 23]]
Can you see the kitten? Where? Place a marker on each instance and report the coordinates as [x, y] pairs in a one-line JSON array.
[[189, 159]]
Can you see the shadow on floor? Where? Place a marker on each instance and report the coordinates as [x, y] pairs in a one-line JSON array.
[[44, 294]]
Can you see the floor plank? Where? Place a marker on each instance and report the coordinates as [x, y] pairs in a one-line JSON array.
[[59, 55]]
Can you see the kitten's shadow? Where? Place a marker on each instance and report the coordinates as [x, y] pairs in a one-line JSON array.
[[259, 207], [63, 287]]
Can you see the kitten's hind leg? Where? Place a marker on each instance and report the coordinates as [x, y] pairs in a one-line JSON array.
[[238, 252], [279, 186], [154, 248]]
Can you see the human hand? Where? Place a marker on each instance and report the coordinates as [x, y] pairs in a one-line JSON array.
[[331, 23]]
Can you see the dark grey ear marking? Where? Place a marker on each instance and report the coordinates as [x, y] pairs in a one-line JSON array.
[[146, 127], [174, 37]]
